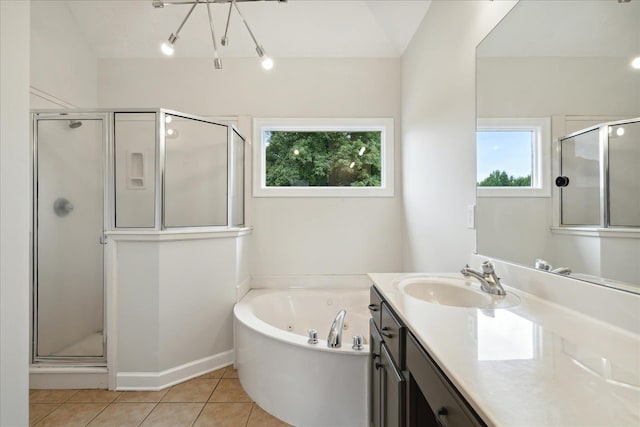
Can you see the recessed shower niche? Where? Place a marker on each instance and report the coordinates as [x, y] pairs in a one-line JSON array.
[[116, 179]]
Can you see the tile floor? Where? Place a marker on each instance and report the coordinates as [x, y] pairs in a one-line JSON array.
[[215, 399]]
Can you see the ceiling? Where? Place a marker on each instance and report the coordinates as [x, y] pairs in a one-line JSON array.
[[297, 28]]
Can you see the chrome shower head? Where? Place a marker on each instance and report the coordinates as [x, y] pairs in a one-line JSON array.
[[75, 124]]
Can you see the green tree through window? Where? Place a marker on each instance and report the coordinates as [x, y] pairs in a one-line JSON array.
[[323, 158], [499, 178]]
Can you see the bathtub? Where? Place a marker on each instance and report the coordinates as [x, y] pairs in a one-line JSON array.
[[303, 384]]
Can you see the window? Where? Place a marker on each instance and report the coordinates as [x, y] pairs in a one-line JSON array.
[[323, 158], [513, 157]]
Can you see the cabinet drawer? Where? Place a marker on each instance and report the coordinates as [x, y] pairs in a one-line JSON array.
[[393, 334], [445, 401], [375, 306]]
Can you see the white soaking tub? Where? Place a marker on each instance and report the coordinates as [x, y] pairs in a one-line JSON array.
[[307, 385]]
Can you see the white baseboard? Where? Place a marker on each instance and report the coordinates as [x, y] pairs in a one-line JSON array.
[[48, 377], [169, 377]]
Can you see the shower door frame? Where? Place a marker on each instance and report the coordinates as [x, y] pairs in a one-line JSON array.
[[107, 191]]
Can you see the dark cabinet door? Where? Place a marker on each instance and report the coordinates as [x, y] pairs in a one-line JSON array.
[[448, 407], [387, 358], [374, 372], [393, 390]]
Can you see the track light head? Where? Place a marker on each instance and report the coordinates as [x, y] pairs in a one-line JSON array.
[[158, 4], [167, 47], [267, 62], [217, 64]]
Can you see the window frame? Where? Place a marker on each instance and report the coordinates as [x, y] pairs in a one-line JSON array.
[[541, 152], [385, 125]]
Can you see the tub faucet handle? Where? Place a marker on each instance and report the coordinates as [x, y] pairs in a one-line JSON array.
[[313, 336], [357, 342]]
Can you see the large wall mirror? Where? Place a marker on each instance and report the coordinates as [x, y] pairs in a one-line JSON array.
[[550, 69]]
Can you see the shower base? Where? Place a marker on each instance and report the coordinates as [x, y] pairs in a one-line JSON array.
[[91, 345]]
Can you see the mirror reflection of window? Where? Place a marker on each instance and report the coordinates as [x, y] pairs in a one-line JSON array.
[[505, 158], [503, 335]]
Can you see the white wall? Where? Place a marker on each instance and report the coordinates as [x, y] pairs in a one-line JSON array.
[[14, 212], [172, 312], [64, 69], [292, 236], [438, 132]]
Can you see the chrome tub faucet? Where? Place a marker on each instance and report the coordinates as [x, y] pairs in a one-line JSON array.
[[334, 340], [489, 280]]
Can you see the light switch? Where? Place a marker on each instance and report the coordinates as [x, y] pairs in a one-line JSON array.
[[471, 216]]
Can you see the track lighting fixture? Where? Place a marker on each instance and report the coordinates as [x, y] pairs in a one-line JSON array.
[[168, 46]]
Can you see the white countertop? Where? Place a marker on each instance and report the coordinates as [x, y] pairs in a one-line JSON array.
[[535, 364]]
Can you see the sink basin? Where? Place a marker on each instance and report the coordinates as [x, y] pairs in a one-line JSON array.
[[454, 292]]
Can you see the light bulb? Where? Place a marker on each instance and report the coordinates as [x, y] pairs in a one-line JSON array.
[[267, 63], [620, 131], [636, 63], [352, 165], [170, 132], [167, 48], [362, 150], [296, 152], [168, 119]]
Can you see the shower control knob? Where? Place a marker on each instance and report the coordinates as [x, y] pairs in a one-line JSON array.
[[562, 181]]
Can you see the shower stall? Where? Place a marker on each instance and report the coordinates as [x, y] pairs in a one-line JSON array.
[[100, 172]]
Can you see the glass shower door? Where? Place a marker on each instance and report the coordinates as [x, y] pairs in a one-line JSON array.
[[580, 195], [68, 227]]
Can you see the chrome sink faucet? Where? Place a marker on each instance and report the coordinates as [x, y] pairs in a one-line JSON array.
[[545, 266], [489, 280], [334, 340]]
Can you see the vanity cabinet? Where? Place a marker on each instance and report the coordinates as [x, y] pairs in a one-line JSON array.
[[407, 386]]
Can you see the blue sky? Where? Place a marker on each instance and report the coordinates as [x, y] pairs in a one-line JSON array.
[[504, 150]]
